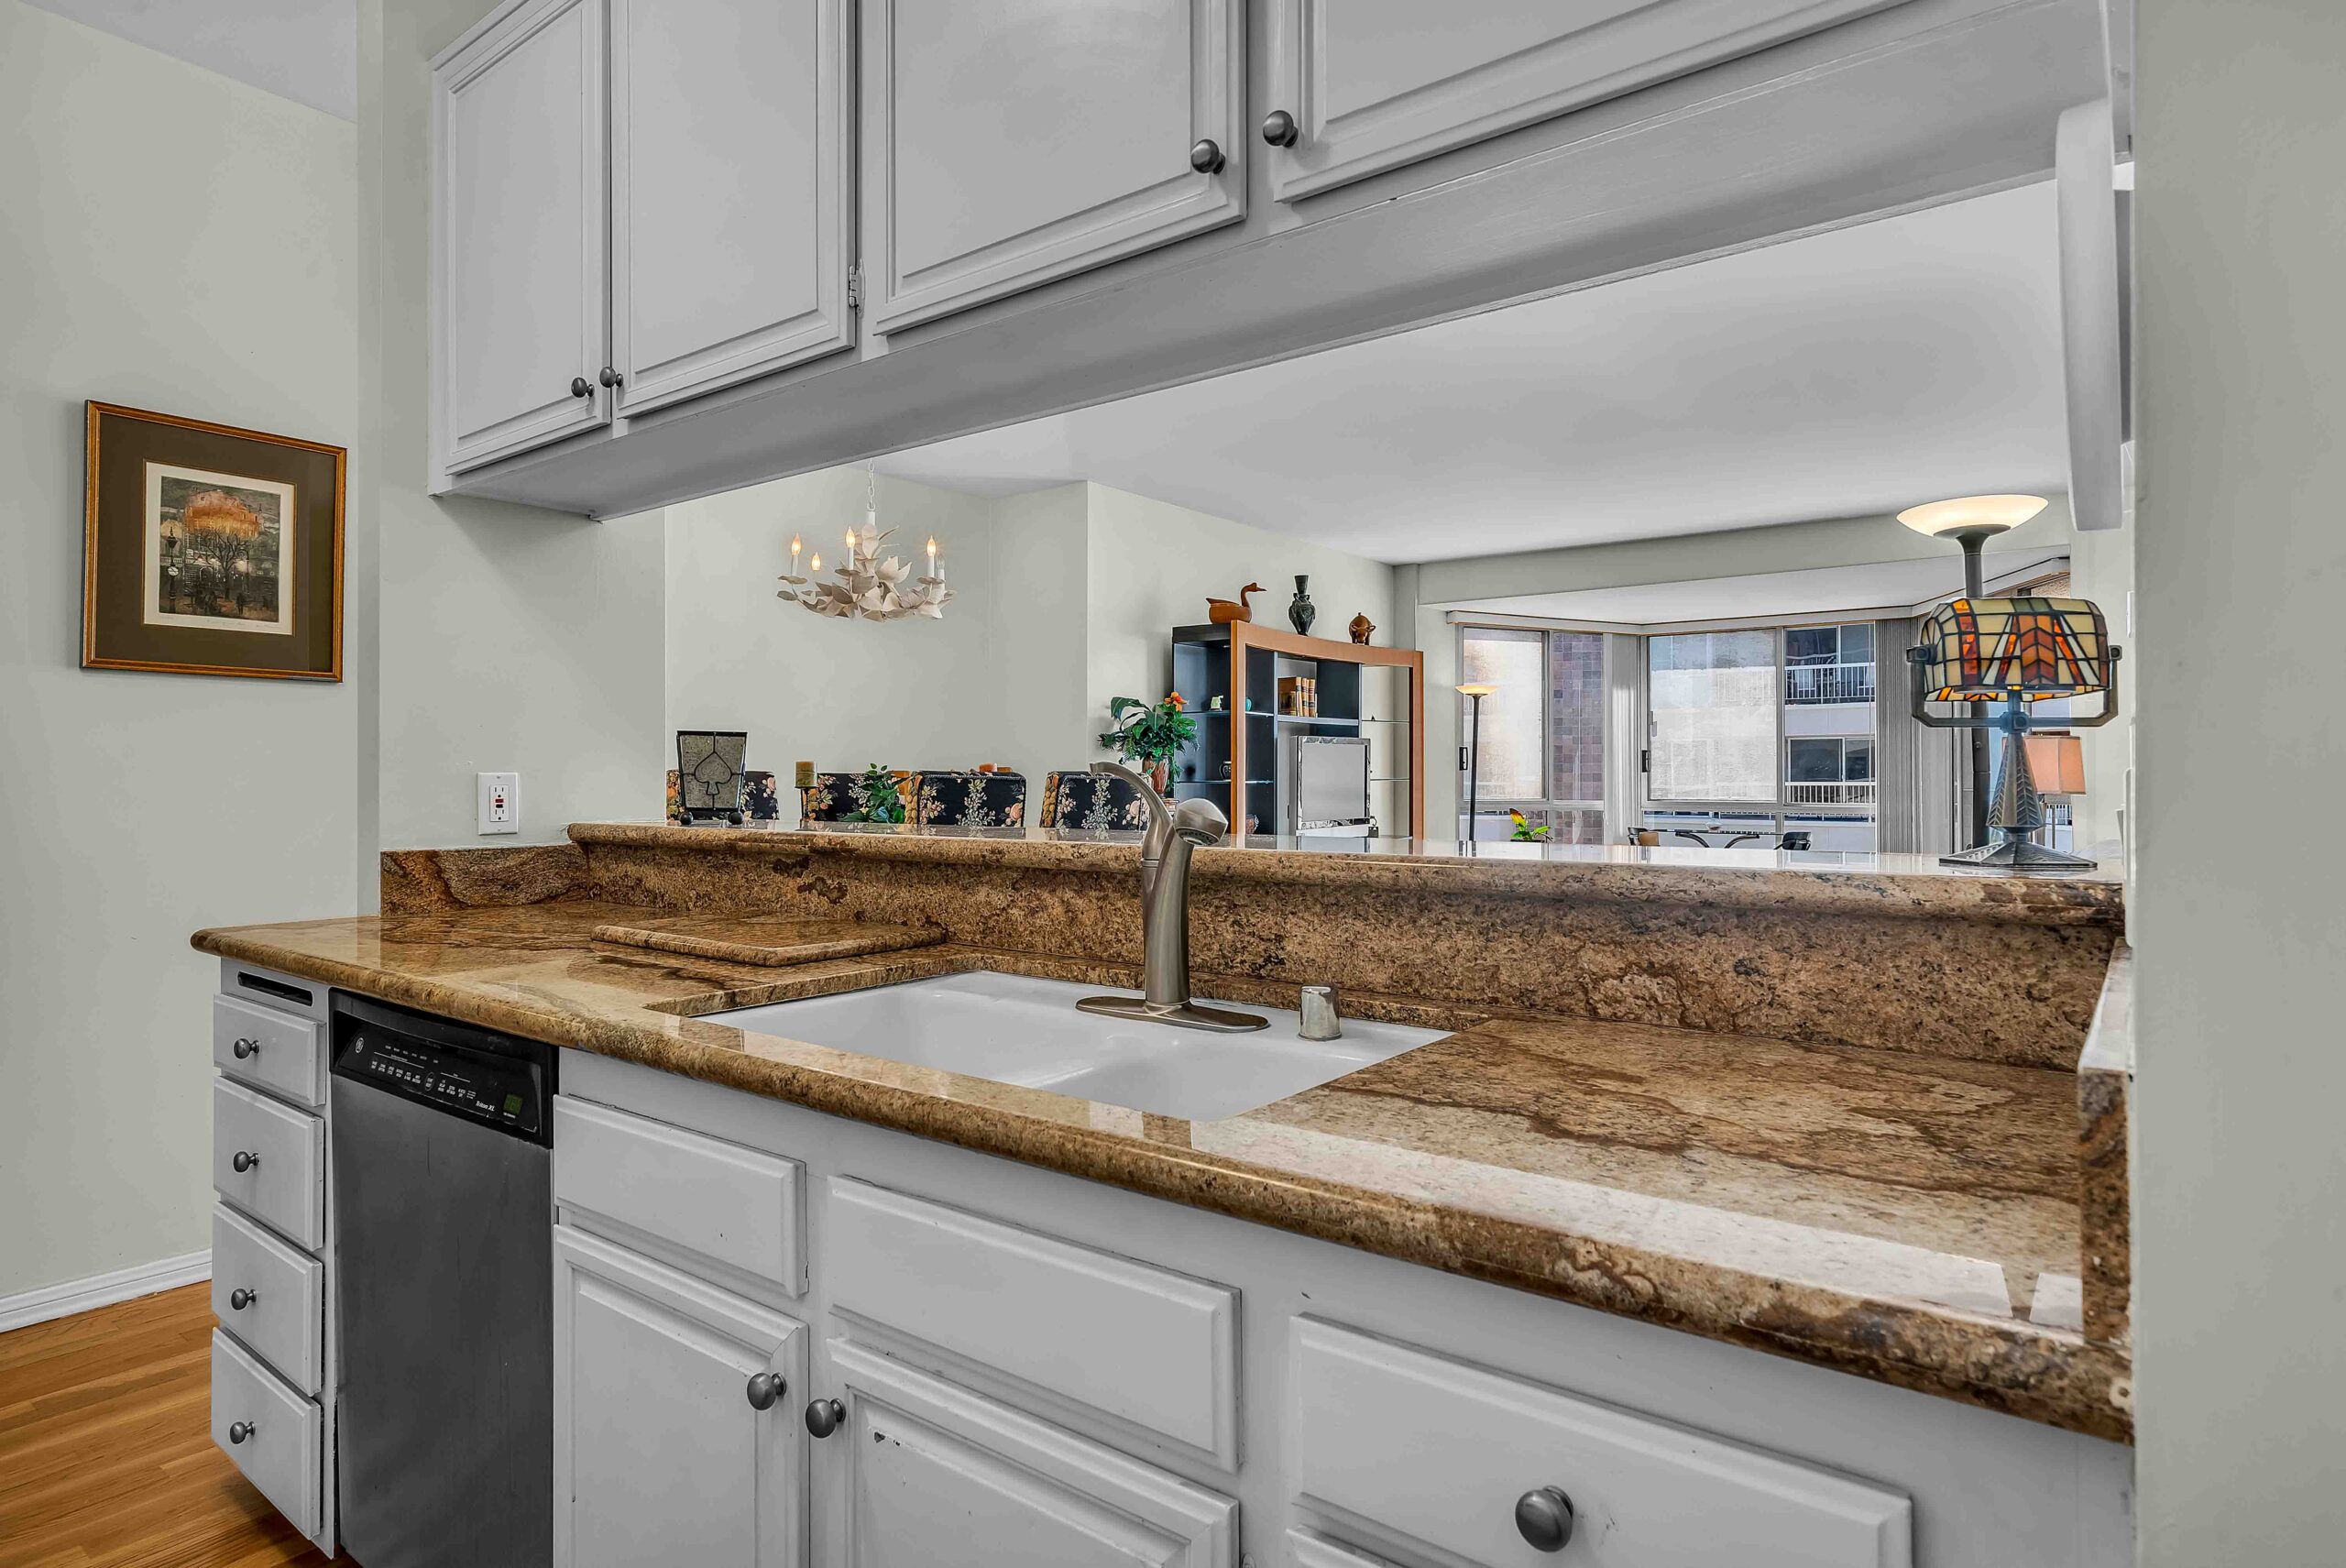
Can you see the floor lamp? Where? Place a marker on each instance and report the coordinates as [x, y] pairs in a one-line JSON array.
[[1474, 692]]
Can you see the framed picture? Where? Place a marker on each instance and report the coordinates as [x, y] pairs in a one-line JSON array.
[[210, 550]]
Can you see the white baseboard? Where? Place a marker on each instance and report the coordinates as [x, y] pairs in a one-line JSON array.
[[73, 1296]]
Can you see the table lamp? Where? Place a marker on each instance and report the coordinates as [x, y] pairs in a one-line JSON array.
[[2015, 652]]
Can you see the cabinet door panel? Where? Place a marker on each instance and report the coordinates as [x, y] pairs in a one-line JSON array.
[[659, 1456], [930, 1469], [1007, 144], [729, 158], [1374, 84], [522, 257]]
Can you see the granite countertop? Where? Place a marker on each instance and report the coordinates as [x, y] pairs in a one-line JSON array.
[[1903, 1217]]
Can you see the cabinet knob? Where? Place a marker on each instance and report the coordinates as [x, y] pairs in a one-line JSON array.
[[1279, 128], [1543, 1516], [245, 1160], [579, 388], [241, 1430], [765, 1387], [611, 377], [240, 1298], [1206, 156], [244, 1049], [824, 1415]]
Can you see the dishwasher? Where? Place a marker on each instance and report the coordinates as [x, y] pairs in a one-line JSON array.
[[444, 1209]]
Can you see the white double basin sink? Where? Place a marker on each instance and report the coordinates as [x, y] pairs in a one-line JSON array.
[[1018, 1030]]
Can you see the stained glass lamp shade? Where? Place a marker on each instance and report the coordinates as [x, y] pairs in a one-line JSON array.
[[2015, 652]]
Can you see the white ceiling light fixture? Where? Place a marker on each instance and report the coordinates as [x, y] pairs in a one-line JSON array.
[[868, 586]]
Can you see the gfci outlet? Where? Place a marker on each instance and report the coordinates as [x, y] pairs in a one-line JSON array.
[[501, 803]]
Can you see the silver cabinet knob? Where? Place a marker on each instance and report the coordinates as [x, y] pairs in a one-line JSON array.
[[579, 388], [611, 377], [1279, 128], [245, 1160], [824, 1415], [244, 1049], [240, 1298], [1206, 156], [241, 1430], [1543, 1516], [765, 1387]]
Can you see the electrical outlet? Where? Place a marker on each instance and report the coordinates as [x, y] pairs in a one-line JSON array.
[[501, 803]]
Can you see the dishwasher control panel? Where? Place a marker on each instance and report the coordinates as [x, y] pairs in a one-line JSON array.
[[484, 1088]]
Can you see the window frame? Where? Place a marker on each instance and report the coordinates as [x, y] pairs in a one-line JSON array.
[[1779, 809], [1606, 738]]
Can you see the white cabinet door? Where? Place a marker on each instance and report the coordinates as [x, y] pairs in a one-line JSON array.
[[659, 1453], [1373, 84], [931, 1474], [729, 160], [1008, 144], [520, 265]]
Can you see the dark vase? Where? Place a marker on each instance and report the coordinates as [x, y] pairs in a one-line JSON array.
[[1301, 611]]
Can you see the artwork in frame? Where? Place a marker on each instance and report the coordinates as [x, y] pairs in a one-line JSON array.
[[210, 550]]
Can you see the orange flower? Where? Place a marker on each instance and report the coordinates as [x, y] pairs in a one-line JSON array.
[[1173, 697]]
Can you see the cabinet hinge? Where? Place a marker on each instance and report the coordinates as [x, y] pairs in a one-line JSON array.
[[855, 287]]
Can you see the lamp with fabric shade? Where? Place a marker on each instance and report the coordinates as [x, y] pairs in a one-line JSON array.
[[2057, 763]]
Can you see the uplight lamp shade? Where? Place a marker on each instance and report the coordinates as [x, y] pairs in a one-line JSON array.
[[2034, 649], [2057, 763], [1477, 688], [1981, 514]]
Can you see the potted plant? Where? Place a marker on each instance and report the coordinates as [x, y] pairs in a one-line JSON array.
[[1149, 734], [877, 798]]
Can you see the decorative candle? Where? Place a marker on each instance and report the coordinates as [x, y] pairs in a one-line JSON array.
[[932, 555], [815, 566], [805, 775], [794, 547]]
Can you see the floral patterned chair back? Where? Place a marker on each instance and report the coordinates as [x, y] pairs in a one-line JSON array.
[[1078, 802], [986, 799]]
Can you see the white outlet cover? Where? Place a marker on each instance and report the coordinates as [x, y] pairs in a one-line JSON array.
[[499, 802]]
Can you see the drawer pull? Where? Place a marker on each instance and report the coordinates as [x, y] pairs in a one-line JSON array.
[[240, 1431], [244, 1161], [824, 1415], [1543, 1516], [246, 1047], [241, 1297], [765, 1387]]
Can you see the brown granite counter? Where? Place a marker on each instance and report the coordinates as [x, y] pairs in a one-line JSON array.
[[1905, 1217]]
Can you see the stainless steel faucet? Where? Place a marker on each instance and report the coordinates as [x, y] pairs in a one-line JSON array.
[[1174, 834]]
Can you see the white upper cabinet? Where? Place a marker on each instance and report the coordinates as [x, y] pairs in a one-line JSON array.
[[731, 149], [1373, 84], [1009, 144], [521, 266]]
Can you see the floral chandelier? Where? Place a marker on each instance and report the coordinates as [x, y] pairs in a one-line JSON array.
[[868, 586]]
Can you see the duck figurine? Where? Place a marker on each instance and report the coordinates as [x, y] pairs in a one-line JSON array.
[[1221, 612]]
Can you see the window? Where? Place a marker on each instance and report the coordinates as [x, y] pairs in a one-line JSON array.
[[1542, 731], [1829, 664], [1712, 698]]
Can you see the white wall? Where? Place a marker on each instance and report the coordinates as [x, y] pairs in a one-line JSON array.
[[137, 807], [510, 638], [2239, 1175]]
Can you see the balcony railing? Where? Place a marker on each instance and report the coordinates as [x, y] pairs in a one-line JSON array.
[[1852, 792], [1808, 684]]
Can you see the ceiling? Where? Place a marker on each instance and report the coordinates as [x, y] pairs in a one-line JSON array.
[[1819, 591], [1849, 372], [303, 50]]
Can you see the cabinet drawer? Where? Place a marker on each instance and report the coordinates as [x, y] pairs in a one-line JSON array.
[[1152, 1349], [268, 1050], [1395, 1442], [739, 1208], [271, 1431], [282, 1316], [284, 1186]]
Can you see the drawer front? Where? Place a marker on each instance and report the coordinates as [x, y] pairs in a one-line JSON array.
[[269, 1049], [1149, 1349], [284, 1184], [1394, 1442], [270, 1297], [741, 1208], [271, 1431]]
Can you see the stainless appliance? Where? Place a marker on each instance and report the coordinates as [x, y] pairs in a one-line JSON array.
[[444, 1208], [1329, 797]]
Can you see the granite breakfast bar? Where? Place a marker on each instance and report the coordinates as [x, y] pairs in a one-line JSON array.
[[1826, 1111]]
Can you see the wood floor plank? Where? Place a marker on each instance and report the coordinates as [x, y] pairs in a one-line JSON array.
[[106, 1458]]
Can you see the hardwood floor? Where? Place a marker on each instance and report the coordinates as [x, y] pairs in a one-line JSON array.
[[106, 1452]]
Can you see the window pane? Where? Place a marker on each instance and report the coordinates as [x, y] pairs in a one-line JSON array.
[[1714, 698], [1576, 715], [1856, 642], [1811, 645], [1812, 761], [1511, 766], [1857, 765]]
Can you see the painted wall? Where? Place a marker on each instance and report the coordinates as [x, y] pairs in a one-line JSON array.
[[2239, 1172], [510, 638], [135, 807]]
